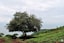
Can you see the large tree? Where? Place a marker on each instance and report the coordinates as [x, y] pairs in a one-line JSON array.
[[24, 22]]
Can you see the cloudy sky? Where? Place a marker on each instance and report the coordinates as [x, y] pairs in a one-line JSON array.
[[51, 12]]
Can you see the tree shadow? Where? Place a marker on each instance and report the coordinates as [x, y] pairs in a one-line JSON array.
[[27, 37]]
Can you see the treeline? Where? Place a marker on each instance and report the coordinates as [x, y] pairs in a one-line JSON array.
[[48, 30], [14, 36]]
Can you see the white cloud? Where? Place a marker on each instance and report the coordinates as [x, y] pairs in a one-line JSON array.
[[9, 7], [40, 4], [22, 5], [4, 19]]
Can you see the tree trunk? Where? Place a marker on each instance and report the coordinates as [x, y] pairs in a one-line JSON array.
[[24, 36]]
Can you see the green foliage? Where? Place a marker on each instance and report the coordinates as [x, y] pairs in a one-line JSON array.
[[14, 36], [1, 34], [8, 36], [24, 22]]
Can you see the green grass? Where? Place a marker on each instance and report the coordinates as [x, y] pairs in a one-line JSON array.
[[7, 40], [55, 35]]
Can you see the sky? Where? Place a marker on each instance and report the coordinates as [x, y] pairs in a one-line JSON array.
[[51, 12]]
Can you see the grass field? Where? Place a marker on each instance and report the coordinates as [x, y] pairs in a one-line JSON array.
[[49, 36]]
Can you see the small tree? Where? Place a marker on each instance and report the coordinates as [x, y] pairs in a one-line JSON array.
[[14, 36], [24, 22], [8, 35], [1, 34]]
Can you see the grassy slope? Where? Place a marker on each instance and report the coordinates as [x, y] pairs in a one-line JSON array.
[[55, 35], [48, 35]]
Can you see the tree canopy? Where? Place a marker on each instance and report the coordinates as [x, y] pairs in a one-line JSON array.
[[24, 22]]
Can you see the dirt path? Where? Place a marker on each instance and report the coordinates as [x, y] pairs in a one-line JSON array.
[[18, 41], [2, 41]]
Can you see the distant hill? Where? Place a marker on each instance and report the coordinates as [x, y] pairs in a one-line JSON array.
[[49, 35]]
